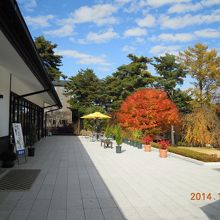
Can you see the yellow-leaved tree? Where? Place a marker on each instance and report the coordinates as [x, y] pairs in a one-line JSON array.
[[202, 128], [202, 125]]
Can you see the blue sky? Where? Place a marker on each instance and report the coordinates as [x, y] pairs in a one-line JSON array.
[[99, 34]]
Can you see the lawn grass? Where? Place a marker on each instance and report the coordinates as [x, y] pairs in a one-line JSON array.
[[202, 154]]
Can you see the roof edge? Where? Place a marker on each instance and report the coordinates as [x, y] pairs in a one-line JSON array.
[[16, 31]]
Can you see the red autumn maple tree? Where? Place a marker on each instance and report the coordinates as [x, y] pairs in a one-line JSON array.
[[148, 110]]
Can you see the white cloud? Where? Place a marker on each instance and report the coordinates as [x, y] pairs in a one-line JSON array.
[[28, 5], [141, 4], [188, 7], [208, 3], [123, 2], [147, 21], [128, 49], [98, 14], [84, 58], [39, 21], [135, 32], [160, 50], [207, 33], [101, 37], [188, 20], [133, 7], [183, 8], [64, 31], [181, 37], [159, 3], [186, 37]]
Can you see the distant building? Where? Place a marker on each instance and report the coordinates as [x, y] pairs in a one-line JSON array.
[[62, 118]]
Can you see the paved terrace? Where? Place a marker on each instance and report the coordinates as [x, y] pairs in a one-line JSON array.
[[81, 180]]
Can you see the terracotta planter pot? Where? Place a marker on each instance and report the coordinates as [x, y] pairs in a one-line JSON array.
[[147, 148], [163, 153]]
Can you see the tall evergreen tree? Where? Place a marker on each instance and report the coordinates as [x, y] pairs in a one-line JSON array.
[[127, 79], [85, 90], [51, 61], [170, 74]]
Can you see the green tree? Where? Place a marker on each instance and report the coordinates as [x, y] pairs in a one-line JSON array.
[[204, 67], [126, 80], [170, 74], [51, 61], [202, 126], [182, 99], [85, 90]]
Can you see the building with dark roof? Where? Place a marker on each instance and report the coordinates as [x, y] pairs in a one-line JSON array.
[[25, 88]]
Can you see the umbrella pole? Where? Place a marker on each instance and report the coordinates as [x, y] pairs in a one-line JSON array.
[[97, 136]]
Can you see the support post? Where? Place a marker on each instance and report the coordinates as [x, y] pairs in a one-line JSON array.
[[172, 135]]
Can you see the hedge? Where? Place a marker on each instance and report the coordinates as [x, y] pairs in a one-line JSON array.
[[191, 154]]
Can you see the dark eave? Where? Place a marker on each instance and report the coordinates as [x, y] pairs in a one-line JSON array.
[[15, 29]]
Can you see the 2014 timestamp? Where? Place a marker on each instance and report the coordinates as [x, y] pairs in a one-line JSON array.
[[198, 196]]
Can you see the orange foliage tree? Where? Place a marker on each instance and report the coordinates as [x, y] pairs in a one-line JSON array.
[[148, 110]]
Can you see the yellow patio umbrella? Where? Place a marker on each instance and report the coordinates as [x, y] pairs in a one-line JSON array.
[[96, 115]]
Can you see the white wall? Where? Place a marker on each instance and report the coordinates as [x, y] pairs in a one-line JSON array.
[[4, 103]]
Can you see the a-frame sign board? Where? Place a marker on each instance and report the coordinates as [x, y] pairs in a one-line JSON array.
[[19, 141]]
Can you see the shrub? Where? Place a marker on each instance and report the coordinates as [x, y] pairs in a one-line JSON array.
[[136, 135], [155, 145], [108, 131], [181, 143], [195, 155], [191, 154]]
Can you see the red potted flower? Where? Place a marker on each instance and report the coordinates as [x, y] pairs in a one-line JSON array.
[[164, 145], [146, 141]]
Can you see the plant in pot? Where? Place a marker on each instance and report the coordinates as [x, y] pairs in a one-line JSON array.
[[8, 158], [147, 143], [31, 140], [164, 145], [118, 139], [137, 135], [108, 131]]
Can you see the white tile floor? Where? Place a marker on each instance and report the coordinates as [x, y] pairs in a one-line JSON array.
[[145, 186], [82, 180]]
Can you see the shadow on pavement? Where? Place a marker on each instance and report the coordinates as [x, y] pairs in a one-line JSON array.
[[112, 213], [212, 210]]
